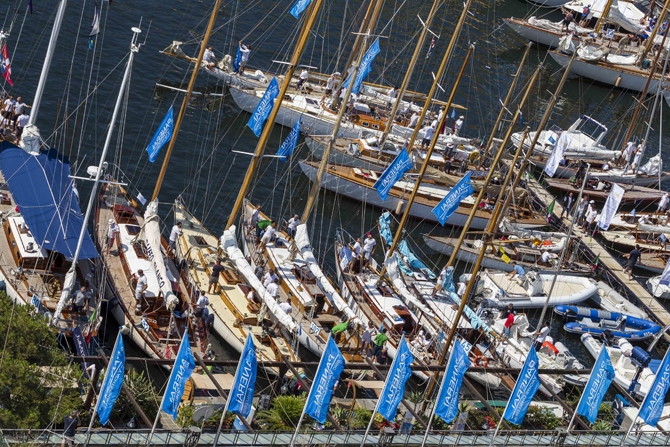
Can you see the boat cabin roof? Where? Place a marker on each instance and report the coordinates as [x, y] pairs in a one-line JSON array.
[[26, 243]]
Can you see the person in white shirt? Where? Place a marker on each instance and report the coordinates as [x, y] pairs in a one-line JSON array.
[[304, 76], [7, 112], [245, 51], [208, 57], [21, 122], [458, 124], [440, 281], [273, 288], [461, 289], [663, 203], [428, 133], [268, 235], [269, 278], [369, 245], [293, 225], [174, 235], [202, 302], [19, 108], [414, 120], [330, 84], [627, 152], [542, 335], [111, 233], [354, 264], [606, 166], [254, 217], [637, 157], [140, 286], [590, 219], [546, 257], [251, 296], [357, 248], [286, 306], [392, 94]]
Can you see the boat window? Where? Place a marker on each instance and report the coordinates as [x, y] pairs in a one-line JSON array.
[[312, 102], [133, 230], [365, 124], [591, 128]]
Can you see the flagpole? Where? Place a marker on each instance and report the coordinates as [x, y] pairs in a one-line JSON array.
[[225, 408], [372, 418], [439, 393], [158, 413], [502, 418], [632, 424], [104, 382], [311, 389]]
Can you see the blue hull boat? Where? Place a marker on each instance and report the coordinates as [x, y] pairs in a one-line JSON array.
[[584, 320]]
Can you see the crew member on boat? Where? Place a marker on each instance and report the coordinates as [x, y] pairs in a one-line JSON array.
[[541, 335], [245, 51], [379, 341], [304, 76], [440, 281], [634, 256], [428, 133], [354, 265], [208, 57], [21, 123], [268, 235], [174, 235], [141, 286], [254, 217], [368, 335], [663, 204], [214, 277], [567, 204], [293, 225], [286, 305], [269, 278], [392, 94], [518, 272], [458, 124], [414, 120], [369, 246], [581, 210], [111, 233], [330, 83], [591, 215], [201, 304], [80, 299]]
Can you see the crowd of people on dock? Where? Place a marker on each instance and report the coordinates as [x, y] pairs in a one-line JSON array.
[[13, 117]]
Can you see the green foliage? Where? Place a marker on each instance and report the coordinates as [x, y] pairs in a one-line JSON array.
[[359, 418], [37, 386], [185, 418], [539, 418], [602, 426], [283, 414], [144, 393]]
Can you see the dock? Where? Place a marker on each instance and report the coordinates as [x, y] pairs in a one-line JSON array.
[[638, 294]]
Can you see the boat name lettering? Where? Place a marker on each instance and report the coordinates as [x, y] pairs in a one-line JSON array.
[[152, 258]]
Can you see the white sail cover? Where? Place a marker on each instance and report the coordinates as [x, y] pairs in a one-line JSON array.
[[302, 242], [659, 229], [65, 294], [152, 239], [391, 264], [652, 166], [229, 245]]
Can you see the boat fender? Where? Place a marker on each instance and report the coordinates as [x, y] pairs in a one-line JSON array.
[[398, 207], [481, 361], [626, 347]]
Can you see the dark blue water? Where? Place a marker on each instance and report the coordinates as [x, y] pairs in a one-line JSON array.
[[203, 170]]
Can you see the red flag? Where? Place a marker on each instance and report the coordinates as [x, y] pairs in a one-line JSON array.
[[6, 66]]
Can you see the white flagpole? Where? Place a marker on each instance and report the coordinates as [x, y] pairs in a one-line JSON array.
[[632, 424], [372, 418], [302, 415], [439, 392], [502, 417], [158, 414], [230, 393], [104, 382]]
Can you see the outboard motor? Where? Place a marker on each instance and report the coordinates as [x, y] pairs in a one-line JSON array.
[[607, 337], [641, 359]]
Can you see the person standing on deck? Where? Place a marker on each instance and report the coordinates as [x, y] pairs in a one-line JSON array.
[[70, 428], [428, 133], [626, 154], [369, 246], [637, 157], [368, 335], [174, 235], [304, 76], [591, 219], [214, 277], [458, 124], [379, 341], [541, 335], [19, 108], [208, 57], [111, 233], [567, 205], [140, 286], [581, 210], [293, 225], [201, 304], [414, 120], [269, 278], [663, 204], [355, 255], [392, 94], [634, 256], [330, 83], [440, 281], [245, 51], [286, 305]]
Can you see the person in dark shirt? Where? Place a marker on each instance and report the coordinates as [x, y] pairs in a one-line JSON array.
[[214, 277], [634, 256], [70, 429], [509, 310]]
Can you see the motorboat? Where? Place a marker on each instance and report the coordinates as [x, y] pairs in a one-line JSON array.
[[585, 137], [627, 361], [584, 320], [497, 290], [657, 289], [611, 300]]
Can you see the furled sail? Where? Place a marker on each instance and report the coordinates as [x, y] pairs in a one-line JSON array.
[[152, 235]]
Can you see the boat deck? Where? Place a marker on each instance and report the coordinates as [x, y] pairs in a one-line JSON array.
[[654, 308], [513, 287]]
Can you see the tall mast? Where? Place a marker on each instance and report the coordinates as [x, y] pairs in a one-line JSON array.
[[491, 226], [187, 97], [410, 70], [260, 147], [652, 71], [503, 108], [70, 277], [603, 17], [366, 29], [357, 44], [429, 97]]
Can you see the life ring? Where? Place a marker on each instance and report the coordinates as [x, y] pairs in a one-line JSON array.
[[481, 361]]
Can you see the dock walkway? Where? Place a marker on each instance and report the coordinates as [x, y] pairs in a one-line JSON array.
[[654, 308]]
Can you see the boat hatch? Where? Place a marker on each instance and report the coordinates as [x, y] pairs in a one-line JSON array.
[[408, 322], [385, 290], [133, 230], [198, 241], [312, 102]]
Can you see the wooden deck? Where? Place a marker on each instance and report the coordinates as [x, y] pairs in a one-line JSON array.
[[655, 309]]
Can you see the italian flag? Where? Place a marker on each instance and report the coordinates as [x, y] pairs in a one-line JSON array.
[[595, 263], [550, 210]]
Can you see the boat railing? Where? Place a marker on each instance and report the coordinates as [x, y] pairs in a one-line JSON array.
[[193, 436]]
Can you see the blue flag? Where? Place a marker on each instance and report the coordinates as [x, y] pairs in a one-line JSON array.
[[449, 204], [652, 407], [113, 381], [364, 69], [330, 368], [447, 402], [300, 6], [238, 59], [394, 387], [601, 377], [392, 174], [162, 136], [242, 392], [182, 369], [79, 343], [288, 146], [264, 108], [524, 390]]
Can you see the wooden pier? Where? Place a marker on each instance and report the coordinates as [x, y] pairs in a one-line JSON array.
[[655, 310]]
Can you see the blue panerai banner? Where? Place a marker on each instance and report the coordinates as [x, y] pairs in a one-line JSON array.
[[365, 68], [447, 402], [299, 7], [264, 108], [394, 387], [288, 146], [526, 386], [182, 369], [392, 174], [600, 379], [242, 392], [79, 343], [238, 59], [162, 136], [330, 368], [113, 381], [652, 407], [449, 204]]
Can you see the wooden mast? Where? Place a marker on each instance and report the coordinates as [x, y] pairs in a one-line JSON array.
[[491, 227], [410, 71], [187, 97], [429, 97], [652, 71], [260, 147], [603, 17], [366, 29], [503, 108]]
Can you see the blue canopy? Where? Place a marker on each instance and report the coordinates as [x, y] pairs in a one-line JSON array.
[[43, 190]]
